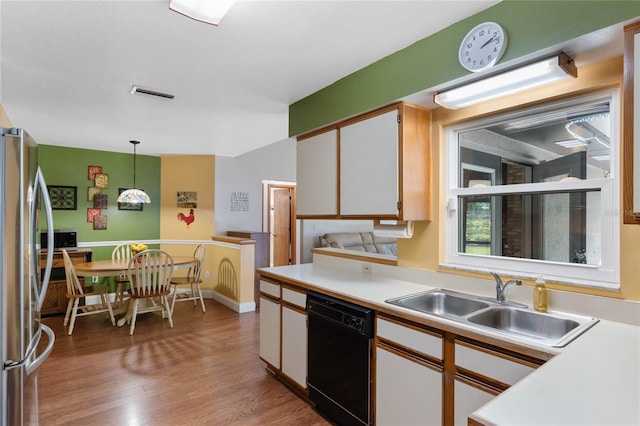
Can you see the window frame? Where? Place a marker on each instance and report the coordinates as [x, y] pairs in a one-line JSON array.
[[605, 275]]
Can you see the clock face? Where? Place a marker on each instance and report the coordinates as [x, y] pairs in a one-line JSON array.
[[482, 47]]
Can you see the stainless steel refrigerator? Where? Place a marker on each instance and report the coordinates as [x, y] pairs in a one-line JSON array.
[[23, 283]]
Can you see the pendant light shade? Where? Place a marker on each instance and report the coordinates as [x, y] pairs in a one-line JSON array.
[[134, 195]]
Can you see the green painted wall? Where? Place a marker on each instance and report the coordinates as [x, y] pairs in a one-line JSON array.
[[69, 167], [530, 26]]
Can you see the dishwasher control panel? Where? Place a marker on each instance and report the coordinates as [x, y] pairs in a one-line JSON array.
[[349, 315]]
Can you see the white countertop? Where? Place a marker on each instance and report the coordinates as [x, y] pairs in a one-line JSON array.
[[594, 380]]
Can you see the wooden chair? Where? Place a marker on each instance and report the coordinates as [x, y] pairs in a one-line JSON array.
[[149, 276], [75, 293], [193, 279], [122, 251]]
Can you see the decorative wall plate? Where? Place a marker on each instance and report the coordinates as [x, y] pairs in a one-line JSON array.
[[93, 171], [63, 197]]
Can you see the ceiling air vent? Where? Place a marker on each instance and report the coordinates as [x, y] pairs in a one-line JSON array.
[[136, 89]]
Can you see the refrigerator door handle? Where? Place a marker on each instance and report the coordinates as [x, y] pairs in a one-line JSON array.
[[41, 185], [30, 368], [33, 346]]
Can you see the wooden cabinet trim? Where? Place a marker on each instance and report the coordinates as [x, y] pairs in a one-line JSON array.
[[628, 113], [411, 324], [271, 288], [408, 352], [494, 390], [289, 299], [425, 361], [267, 296], [414, 162], [480, 381], [410, 349]]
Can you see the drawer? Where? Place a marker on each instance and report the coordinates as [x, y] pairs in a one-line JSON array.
[[270, 288], [491, 364], [294, 297], [411, 338]]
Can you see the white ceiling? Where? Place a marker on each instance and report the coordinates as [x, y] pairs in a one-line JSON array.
[[67, 67]]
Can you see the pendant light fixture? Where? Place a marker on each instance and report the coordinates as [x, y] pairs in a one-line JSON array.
[[134, 195]]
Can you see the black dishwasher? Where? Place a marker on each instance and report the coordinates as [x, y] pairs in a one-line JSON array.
[[339, 358]]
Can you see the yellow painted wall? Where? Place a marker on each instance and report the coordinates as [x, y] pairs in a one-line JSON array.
[[188, 173], [426, 249], [4, 118], [241, 257]]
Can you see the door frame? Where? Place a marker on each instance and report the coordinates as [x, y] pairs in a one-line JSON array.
[[267, 223]]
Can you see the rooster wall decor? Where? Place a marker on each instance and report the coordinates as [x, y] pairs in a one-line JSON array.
[[187, 219]]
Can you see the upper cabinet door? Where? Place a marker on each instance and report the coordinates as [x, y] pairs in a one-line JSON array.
[[369, 170], [317, 175]]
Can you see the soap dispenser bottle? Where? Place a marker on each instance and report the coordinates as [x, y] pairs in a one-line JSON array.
[[540, 295]]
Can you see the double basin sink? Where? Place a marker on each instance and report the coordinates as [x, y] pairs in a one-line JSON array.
[[550, 329]]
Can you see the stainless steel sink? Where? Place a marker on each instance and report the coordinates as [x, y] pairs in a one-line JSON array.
[[441, 302], [551, 328], [548, 328]]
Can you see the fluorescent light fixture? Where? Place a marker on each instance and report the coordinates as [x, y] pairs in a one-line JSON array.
[[527, 77], [572, 143], [207, 11], [134, 195], [604, 157]]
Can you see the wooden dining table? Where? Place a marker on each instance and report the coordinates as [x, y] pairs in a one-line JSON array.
[[111, 268]]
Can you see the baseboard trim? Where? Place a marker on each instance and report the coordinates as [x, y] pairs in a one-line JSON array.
[[234, 305]]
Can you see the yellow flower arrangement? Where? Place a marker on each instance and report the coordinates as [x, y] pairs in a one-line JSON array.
[[137, 248]]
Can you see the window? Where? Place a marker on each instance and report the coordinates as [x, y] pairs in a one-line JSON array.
[[535, 192]]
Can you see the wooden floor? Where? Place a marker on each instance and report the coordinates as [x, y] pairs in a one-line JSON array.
[[205, 370]]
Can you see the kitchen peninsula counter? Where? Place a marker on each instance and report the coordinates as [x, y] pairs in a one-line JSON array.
[[594, 380]]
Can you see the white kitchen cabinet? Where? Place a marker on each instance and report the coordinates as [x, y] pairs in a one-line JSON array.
[[374, 166], [407, 392], [409, 374], [481, 374], [468, 399], [506, 370], [294, 345], [317, 175], [270, 323], [369, 178], [294, 336]]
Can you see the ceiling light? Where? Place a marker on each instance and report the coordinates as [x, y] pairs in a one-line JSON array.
[[604, 157], [572, 143], [527, 77], [209, 11], [584, 129], [134, 195], [136, 89]]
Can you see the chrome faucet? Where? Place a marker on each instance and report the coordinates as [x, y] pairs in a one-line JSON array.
[[501, 289]]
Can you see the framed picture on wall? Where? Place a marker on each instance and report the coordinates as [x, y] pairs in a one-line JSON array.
[[129, 206], [63, 197]]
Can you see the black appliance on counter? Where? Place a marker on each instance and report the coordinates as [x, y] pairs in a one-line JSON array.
[[62, 239], [339, 359]]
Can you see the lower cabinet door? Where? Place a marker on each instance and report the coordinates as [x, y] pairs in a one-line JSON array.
[[407, 392], [294, 345], [468, 399], [270, 332]]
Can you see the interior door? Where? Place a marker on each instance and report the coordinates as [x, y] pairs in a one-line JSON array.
[[281, 231], [551, 209]]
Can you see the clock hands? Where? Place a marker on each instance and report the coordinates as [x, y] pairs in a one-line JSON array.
[[487, 42]]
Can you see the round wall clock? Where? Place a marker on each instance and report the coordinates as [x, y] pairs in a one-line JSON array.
[[482, 47]]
